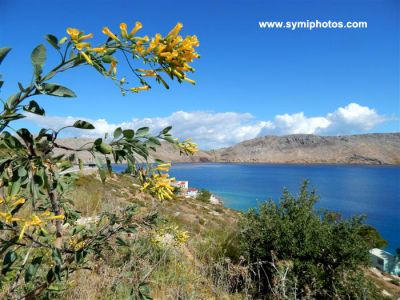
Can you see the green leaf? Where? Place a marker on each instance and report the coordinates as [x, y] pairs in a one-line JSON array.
[[25, 135], [142, 131], [107, 59], [117, 132], [57, 90], [154, 140], [101, 168], [83, 125], [128, 133], [170, 139], [52, 41], [57, 256], [15, 188], [12, 100], [32, 268], [34, 108], [3, 53], [166, 130], [38, 58], [9, 259]]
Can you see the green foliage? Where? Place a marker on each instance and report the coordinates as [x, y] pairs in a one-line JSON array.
[[204, 195], [41, 242], [372, 237], [304, 252]]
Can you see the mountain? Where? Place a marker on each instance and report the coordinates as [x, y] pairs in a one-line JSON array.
[[377, 148]]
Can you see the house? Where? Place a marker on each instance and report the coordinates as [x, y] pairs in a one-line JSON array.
[[180, 184], [192, 192], [385, 261]]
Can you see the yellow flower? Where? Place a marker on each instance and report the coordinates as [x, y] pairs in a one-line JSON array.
[[107, 32], [80, 46], [176, 29], [140, 88], [159, 184], [124, 33], [87, 58], [188, 147], [154, 43], [150, 73], [135, 29], [76, 35], [19, 201], [39, 221], [189, 80], [85, 37], [163, 167], [102, 50], [113, 68], [63, 40], [8, 217], [73, 33]]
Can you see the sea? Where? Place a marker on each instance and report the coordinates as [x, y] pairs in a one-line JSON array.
[[373, 191]]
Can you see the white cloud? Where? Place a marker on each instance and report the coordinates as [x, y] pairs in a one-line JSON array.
[[213, 130]]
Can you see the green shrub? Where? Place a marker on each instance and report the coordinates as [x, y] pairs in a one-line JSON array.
[[299, 251], [204, 195]]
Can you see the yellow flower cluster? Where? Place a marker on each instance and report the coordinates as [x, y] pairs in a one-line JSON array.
[[170, 235], [33, 220], [158, 184], [173, 52], [188, 147], [173, 49], [39, 221], [77, 243], [77, 38]]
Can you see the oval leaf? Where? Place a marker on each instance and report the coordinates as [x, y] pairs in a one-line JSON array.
[[38, 55], [3, 53], [83, 125], [142, 131], [128, 133], [34, 108], [52, 41], [117, 132], [57, 90]]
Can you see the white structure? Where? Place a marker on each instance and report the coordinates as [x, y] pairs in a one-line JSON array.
[[385, 261], [180, 184], [192, 192]]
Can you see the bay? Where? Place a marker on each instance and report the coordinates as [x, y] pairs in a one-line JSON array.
[[373, 191]]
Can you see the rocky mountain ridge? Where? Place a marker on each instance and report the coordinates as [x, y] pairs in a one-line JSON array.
[[377, 148]]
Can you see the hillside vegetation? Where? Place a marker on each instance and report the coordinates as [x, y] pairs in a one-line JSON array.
[[191, 249]]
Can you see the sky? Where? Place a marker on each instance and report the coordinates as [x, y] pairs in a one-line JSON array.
[[250, 81]]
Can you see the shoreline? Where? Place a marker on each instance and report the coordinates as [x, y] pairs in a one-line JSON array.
[[284, 163]]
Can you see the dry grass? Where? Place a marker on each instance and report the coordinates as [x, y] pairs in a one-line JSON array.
[[181, 272]]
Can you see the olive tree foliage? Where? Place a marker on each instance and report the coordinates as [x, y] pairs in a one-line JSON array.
[[40, 241], [298, 252]]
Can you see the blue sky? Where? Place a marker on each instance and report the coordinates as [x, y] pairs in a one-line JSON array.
[[250, 81]]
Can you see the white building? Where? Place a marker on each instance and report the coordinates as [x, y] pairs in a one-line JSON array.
[[180, 184], [385, 261], [192, 192]]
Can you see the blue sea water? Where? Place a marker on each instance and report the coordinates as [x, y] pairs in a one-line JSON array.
[[349, 189]]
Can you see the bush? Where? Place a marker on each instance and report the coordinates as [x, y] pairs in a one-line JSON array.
[[299, 251], [204, 195]]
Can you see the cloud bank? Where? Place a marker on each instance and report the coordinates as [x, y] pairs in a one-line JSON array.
[[221, 129]]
